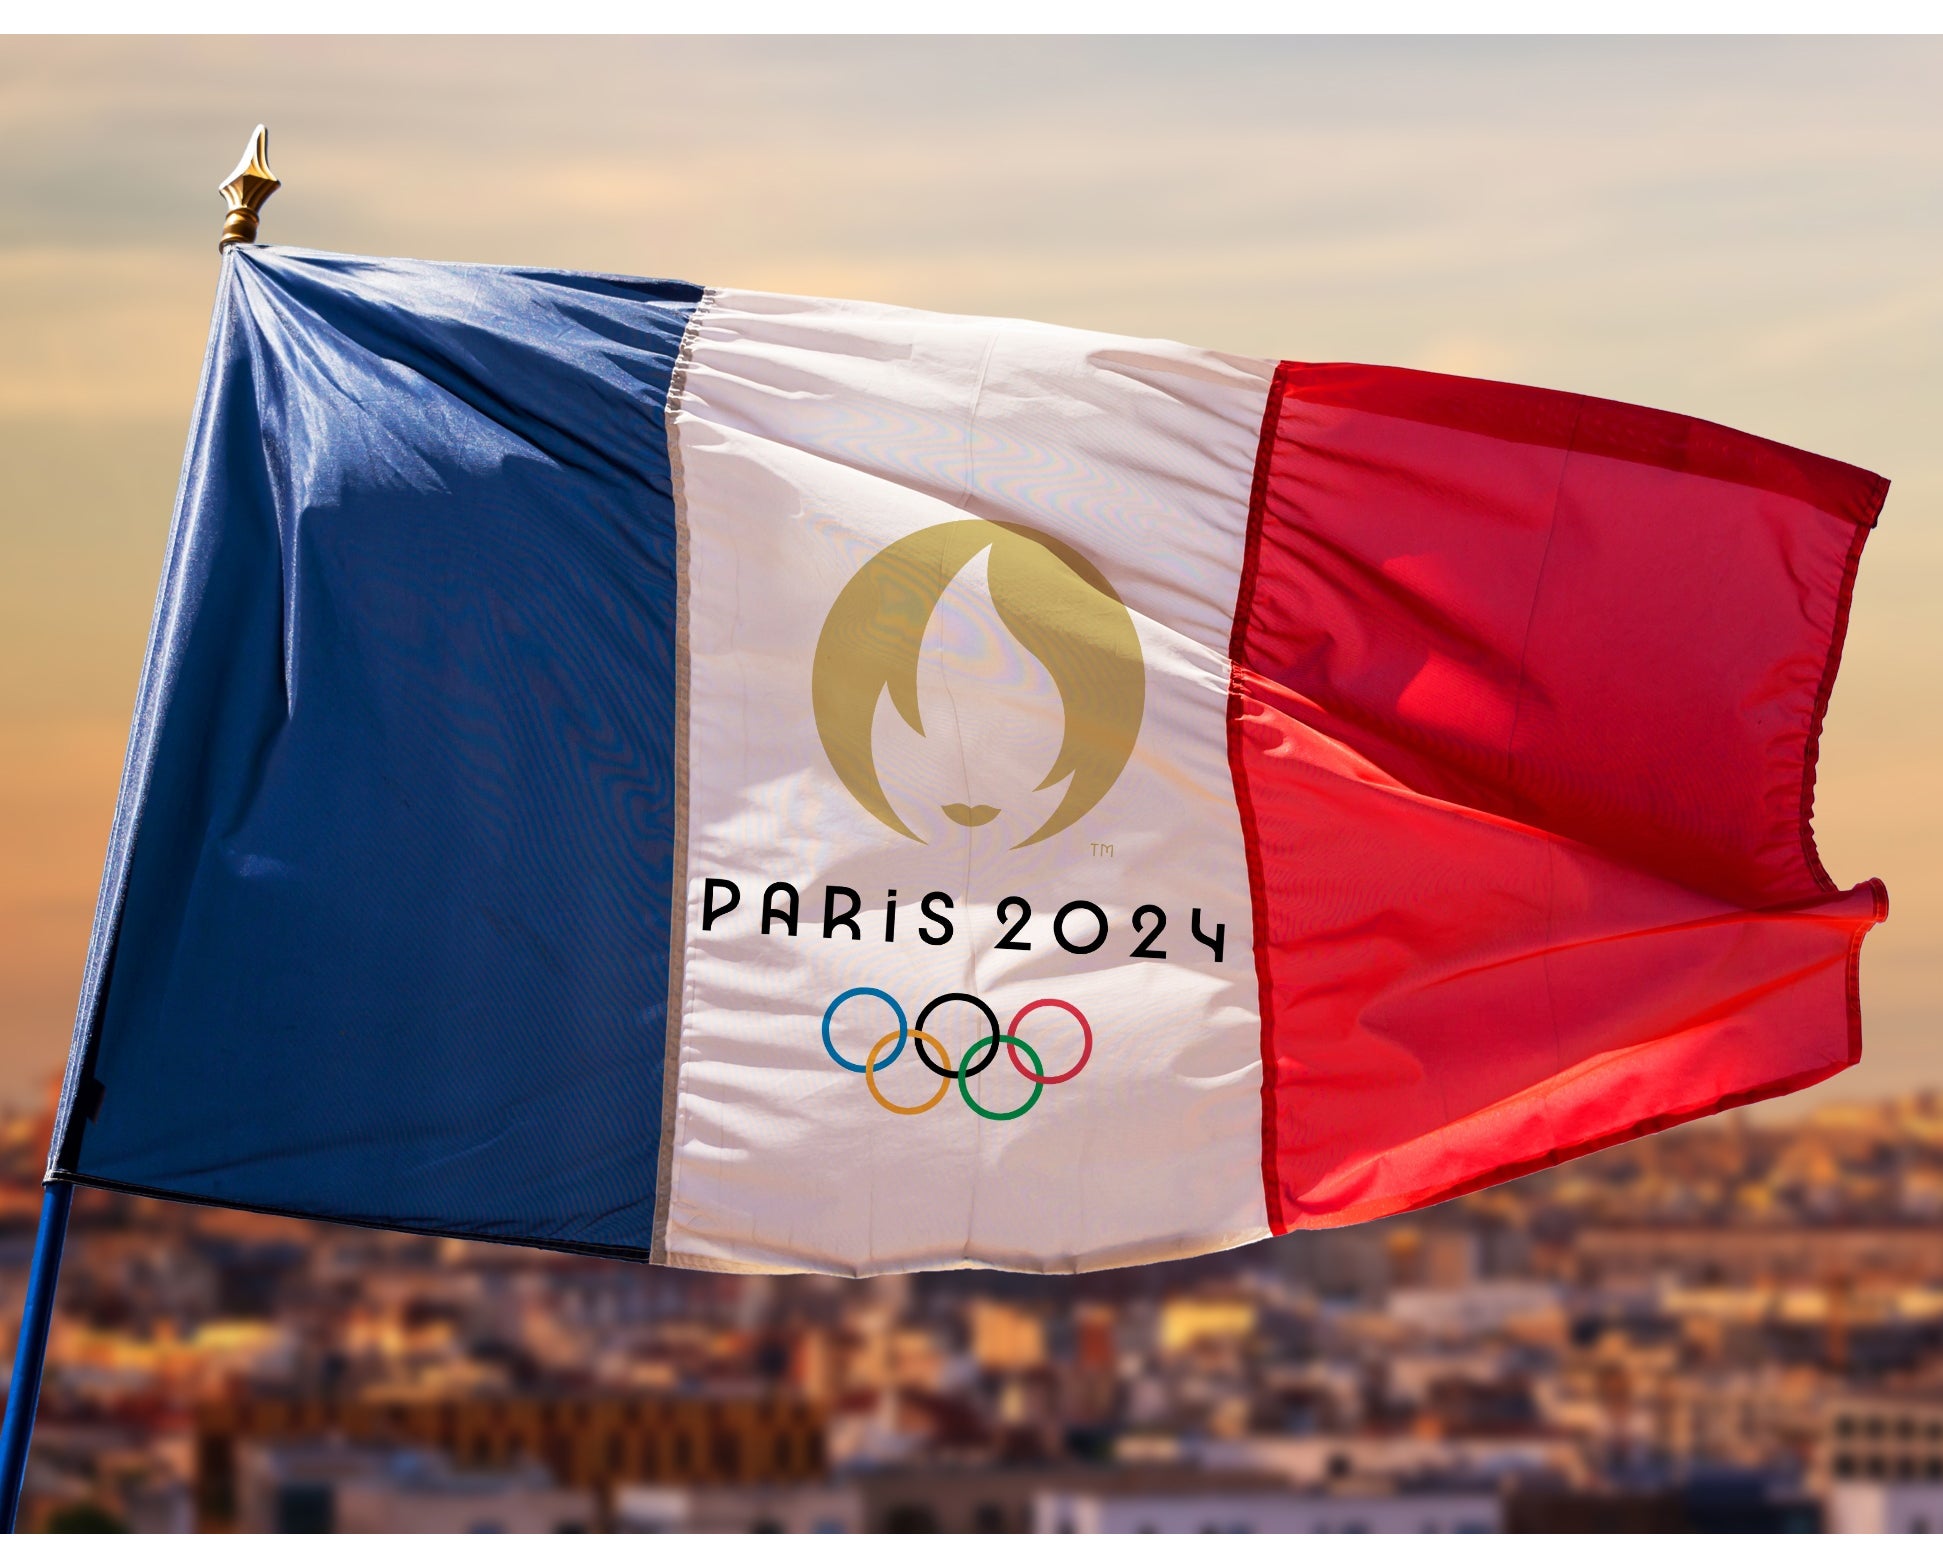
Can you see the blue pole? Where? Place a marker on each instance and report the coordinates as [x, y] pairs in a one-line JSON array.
[[23, 1394]]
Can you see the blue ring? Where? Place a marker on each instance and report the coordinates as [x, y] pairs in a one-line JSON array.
[[903, 1025]]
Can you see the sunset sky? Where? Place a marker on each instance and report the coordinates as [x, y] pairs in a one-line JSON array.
[[1747, 231]]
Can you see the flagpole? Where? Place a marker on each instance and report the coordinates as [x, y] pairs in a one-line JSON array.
[[248, 187], [23, 1393]]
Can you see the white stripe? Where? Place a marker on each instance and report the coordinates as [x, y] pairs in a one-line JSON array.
[[811, 435]]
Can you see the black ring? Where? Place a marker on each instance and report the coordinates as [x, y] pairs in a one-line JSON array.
[[991, 1018]]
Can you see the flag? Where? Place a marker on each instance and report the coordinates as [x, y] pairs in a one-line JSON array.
[[766, 783]]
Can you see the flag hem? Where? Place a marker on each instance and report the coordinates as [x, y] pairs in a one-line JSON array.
[[1599, 427], [1837, 638], [677, 987], [1132, 1257], [590, 1249], [1244, 801]]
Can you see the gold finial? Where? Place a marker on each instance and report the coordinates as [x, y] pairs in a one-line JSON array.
[[248, 187]]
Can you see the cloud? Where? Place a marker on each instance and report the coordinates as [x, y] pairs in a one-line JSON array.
[[88, 334], [56, 798]]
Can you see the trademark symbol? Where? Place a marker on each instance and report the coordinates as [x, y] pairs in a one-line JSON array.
[[1102, 851]]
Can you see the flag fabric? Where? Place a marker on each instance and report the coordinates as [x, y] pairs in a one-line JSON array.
[[767, 783]]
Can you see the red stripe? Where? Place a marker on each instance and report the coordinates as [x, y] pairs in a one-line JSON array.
[[1524, 710]]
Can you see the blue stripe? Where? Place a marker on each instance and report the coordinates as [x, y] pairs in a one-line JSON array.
[[384, 935]]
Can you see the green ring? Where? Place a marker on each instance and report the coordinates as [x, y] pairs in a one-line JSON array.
[[996, 1040]]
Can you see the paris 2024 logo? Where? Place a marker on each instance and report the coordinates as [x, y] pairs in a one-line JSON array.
[[1064, 612]]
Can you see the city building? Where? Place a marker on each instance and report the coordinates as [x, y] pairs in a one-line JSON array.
[[589, 1445], [826, 1509], [318, 1488], [1734, 1326], [1218, 1504], [1890, 1435], [1885, 1508]]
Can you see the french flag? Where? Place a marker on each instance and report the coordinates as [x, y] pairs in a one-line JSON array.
[[764, 783]]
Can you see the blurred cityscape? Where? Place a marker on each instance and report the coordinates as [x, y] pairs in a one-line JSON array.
[[1736, 1326]]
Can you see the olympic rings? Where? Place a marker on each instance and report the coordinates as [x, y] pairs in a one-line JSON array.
[[1011, 1043], [1085, 1050], [903, 1026], [992, 1030], [982, 1053], [877, 1094]]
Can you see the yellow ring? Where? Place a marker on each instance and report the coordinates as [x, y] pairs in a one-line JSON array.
[[870, 1073]]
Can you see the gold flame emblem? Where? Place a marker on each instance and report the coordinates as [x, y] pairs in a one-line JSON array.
[[1057, 604]]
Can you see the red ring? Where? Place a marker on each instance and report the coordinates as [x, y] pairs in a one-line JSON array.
[[1086, 1029]]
